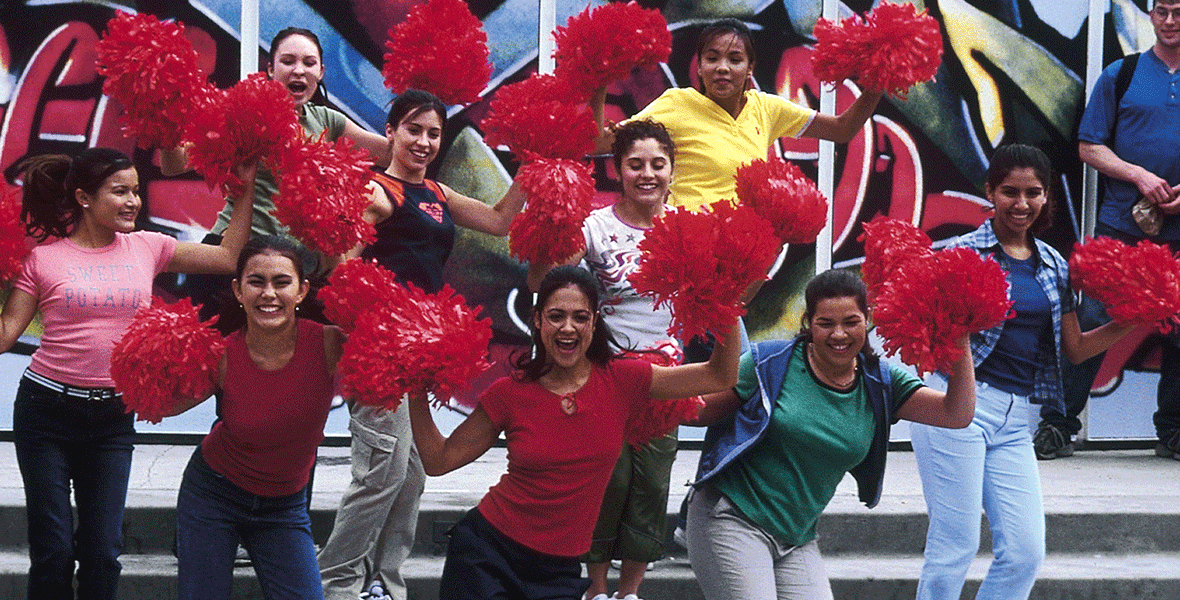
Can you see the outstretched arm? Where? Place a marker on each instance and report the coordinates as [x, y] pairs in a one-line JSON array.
[[717, 375], [1078, 346], [441, 455], [474, 214], [842, 128]]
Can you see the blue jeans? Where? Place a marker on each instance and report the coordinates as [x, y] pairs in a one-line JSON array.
[[1080, 378], [212, 513], [61, 440], [989, 464]]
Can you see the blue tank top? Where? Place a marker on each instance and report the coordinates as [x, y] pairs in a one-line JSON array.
[[416, 239]]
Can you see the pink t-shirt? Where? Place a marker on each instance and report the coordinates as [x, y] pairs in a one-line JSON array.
[[559, 464], [87, 297]]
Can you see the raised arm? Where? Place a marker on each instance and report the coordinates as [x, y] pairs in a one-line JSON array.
[[1078, 346], [954, 408], [474, 214], [441, 455], [19, 308], [174, 161], [843, 127], [717, 375], [222, 258], [377, 145]]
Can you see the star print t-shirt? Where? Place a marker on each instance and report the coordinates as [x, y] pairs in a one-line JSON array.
[[87, 298], [612, 254]]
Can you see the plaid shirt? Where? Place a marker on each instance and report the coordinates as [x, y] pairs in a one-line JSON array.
[[1053, 275]]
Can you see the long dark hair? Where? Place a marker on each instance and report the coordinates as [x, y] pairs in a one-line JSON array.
[[49, 203], [411, 103], [834, 283], [233, 316], [722, 27], [320, 96], [532, 368], [1008, 158]]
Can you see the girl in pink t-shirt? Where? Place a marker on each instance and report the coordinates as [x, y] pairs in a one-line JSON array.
[[563, 414], [71, 428]]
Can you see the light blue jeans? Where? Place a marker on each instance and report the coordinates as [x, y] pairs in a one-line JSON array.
[[989, 464]]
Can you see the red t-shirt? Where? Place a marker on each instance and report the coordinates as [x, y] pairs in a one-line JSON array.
[[271, 422], [559, 464]]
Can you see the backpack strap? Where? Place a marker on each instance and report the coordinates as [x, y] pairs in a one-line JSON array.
[[1122, 81]]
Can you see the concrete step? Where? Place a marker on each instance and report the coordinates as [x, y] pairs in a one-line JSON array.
[[1096, 576]]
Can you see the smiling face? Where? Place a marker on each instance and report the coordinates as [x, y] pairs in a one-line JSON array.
[[566, 326], [1018, 201], [269, 289], [646, 172], [1165, 19], [723, 67], [298, 66], [838, 330], [415, 143], [115, 204]]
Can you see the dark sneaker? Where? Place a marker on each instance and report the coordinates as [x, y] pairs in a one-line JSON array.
[[1051, 442], [1169, 448]]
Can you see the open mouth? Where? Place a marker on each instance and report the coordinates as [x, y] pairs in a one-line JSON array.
[[566, 345], [297, 87]]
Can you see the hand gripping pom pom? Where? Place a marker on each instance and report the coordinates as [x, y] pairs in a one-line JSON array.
[[323, 194], [603, 45], [253, 120], [891, 50], [1140, 285], [539, 117], [151, 69], [13, 248], [935, 300], [417, 344], [166, 355], [559, 193], [658, 417], [780, 193], [700, 265], [356, 287], [888, 244], [440, 48]]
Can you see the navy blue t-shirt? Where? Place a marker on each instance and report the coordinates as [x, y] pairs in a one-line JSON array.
[[1013, 364]]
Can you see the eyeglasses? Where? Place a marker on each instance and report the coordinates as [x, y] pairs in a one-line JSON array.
[[1162, 13]]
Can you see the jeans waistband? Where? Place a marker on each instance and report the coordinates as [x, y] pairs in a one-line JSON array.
[[84, 393]]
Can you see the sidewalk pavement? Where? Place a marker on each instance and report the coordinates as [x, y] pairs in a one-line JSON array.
[[1089, 482]]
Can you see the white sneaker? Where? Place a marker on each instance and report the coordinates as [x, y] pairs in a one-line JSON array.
[[601, 597]]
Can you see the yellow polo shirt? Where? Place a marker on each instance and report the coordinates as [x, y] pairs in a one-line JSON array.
[[711, 144]]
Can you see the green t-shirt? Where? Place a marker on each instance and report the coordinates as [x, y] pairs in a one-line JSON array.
[[314, 119], [816, 435]]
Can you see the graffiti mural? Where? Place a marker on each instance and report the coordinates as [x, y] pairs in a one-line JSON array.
[[1013, 71]]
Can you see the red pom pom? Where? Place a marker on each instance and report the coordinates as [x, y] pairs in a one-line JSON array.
[[13, 248], [936, 299], [166, 355], [700, 264], [603, 45], [151, 69], [658, 417], [440, 48], [250, 121], [416, 344], [1140, 285], [892, 49], [356, 287], [323, 194], [780, 193], [539, 117], [889, 243], [559, 193]]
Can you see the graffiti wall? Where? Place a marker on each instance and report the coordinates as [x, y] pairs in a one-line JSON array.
[[1013, 72]]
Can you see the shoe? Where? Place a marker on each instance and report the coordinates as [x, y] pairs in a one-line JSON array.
[[1052, 442], [242, 558], [615, 596], [1169, 448], [376, 589], [601, 597], [680, 537]]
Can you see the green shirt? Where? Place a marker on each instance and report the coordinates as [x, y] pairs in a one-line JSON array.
[[314, 119], [816, 435]]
